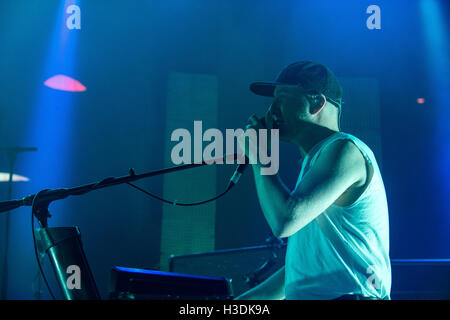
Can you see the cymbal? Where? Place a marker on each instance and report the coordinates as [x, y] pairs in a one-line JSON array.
[[4, 177]]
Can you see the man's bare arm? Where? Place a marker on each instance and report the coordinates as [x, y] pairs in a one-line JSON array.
[[273, 196], [270, 289], [339, 166]]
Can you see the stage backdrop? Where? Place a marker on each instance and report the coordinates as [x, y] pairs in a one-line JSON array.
[[152, 66]]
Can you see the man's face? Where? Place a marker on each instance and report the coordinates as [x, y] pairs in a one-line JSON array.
[[291, 107]]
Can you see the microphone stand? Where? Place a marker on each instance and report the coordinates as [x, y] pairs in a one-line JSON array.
[[12, 155], [63, 244]]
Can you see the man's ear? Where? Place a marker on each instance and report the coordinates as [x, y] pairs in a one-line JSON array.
[[317, 102]]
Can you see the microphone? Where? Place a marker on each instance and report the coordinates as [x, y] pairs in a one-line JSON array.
[[242, 166]]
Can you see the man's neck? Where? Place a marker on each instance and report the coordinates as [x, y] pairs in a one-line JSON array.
[[310, 136]]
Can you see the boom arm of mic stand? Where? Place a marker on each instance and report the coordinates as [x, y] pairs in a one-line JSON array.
[[43, 198], [70, 252], [10, 205]]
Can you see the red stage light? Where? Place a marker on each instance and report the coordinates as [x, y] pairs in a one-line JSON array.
[[420, 100], [64, 83]]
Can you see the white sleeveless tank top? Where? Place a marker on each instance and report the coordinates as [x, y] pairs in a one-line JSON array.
[[345, 250]]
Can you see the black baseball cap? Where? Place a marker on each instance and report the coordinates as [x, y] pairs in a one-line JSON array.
[[312, 76]]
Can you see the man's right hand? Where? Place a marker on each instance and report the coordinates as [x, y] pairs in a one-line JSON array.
[[270, 289]]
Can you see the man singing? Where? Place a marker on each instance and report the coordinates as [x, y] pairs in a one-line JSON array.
[[336, 218]]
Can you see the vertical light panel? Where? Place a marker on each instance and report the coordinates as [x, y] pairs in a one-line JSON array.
[[189, 229], [436, 39], [361, 112], [49, 128]]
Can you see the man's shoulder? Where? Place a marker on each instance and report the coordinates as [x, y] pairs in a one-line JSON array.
[[341, 145], [341, 158], [349, 144], [341, 152]]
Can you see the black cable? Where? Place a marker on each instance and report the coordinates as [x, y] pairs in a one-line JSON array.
[[175, 203], [35, 247]]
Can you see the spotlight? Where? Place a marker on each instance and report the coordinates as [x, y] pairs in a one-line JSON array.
[[64, 83], [4, 177], [420, 100]]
